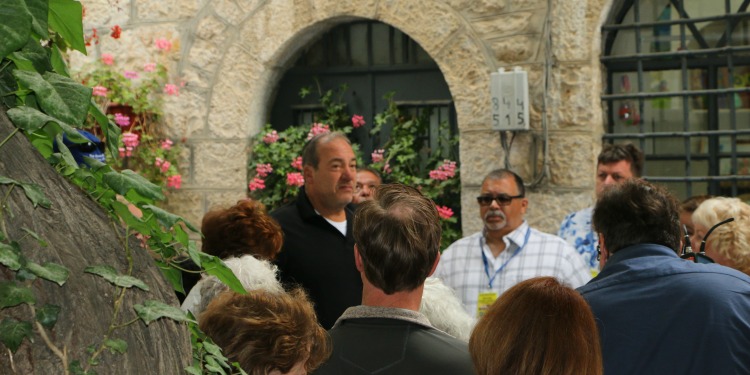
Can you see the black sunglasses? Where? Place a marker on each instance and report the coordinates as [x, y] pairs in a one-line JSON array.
[[502, 199], [700, 256]]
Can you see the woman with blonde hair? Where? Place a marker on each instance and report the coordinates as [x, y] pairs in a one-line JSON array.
[[729, 243], [537, 327]]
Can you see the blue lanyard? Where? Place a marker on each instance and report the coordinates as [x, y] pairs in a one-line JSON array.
[[486, 263]]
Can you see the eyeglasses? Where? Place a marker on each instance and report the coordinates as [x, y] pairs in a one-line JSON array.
[[502, 199], [700, 257]]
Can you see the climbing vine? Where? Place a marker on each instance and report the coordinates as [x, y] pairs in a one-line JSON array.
[[45, 105]]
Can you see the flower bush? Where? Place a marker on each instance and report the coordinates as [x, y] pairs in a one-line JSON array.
[[276, 163], [133, 98]]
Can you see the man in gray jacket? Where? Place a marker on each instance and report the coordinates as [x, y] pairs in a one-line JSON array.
[[397, 242]]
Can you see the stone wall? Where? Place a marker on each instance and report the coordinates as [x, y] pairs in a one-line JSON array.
[[232, 53]]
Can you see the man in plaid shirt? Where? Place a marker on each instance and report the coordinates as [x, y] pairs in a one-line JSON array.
[[507, 251]]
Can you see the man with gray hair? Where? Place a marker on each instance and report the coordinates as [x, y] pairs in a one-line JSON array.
[[507, 250], [318, 249], [397, 247]]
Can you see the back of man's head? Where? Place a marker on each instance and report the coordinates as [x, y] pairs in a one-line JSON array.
[[637, 212], [398, 238], [612, 153]]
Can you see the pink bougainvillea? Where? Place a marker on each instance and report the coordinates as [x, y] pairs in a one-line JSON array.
[[174, 181], [100, 91], [297, 163], [122, 120], [271, 137], [294, 179], [377, 156], [256, 184], [130, 140], [317, 129], [444, 172], [263, 170], [166, 144], [444, 212], [358, 121], [171, 89], [108, 59]]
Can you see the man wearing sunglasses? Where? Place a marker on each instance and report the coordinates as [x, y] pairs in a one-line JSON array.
[[615, 164], [657, 313], [507, 251]]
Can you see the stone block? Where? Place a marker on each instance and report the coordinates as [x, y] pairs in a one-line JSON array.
[[526, 22], [136, 47], [224, 199], [103, 14], [206, 54], [186, 203], [574, 95], [478, 8], [516, 49], [326, 9], [150, 10], [209, 28], [480, 153], [572, 160], [547, 209], [470, 220], [429, 23], [185, 115], [220, 164], [516, 5], [229, 11]]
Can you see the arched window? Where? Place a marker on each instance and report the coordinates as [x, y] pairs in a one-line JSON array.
[[678, 85], [371, 59]]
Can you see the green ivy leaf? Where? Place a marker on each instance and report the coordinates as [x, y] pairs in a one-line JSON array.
[[36, 195], [128, 180], [50, 271], [66, 17], [194, 370], [152, 310], [15, 28], [215, 267], [13, 295], [213, 365], [58, 61], [38, 11], [24, 275], [12, 333], [58, 96], [47, 315], [10, 257], [32, 57], [111, 275], [173, 275], [70, 161], [31, 120], [116, 345], [111, 132], [168, 219], [38, 239], [214, 350]]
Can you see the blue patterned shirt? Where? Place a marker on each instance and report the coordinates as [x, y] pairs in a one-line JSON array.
[[577, 230]]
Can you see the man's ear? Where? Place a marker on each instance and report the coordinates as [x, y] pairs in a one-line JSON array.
[[307, 173], [358, 259], [604, 252], [434, 265]]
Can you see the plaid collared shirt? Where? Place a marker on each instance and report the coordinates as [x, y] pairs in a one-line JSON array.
[[462, 268]]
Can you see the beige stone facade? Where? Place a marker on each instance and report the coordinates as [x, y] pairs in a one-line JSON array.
[[232, 54]]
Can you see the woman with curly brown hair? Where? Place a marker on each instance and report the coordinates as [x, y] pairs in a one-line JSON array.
[[267, 333], [537, 327]]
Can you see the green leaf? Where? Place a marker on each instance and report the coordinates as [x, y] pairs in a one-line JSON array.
[[214, 350], [58, 61], [173, 275], [152, 310], [58, 96], [23, 275], [47, 315], [50, 271], [127, 180], [33, 57], [12, 333], [66, 17], [36, 195], [111, 275], [13, 295], [214, 266], [38, 239], [70, 161], [10, 257], [194, 370], [31, 120], [38, 10], [169, 219], [111, 131], [15, 29], [116, 345]]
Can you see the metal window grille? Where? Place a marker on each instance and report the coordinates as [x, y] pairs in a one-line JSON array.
[[678, 86]]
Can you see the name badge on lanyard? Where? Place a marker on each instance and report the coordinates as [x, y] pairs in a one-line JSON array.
[[487, 297]]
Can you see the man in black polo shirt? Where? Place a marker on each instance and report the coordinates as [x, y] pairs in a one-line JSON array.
[[397, 247], [318, 243]]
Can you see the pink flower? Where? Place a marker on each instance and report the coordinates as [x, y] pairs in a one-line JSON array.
[[129, 74], [358, 121], [256, 184], [263, 170], [171, 89], [122, 120], [444, 212], [149, 67], [174, 181], [294, 179], [317, 129], [387, 168], [297, 163], [445, 171], [130, 140], [158, 162], [108, 59], [377, 156], [271, 137], [165, 166], [100, 91], [163, 44], [121, 152], [166, 144], [126, 151]]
